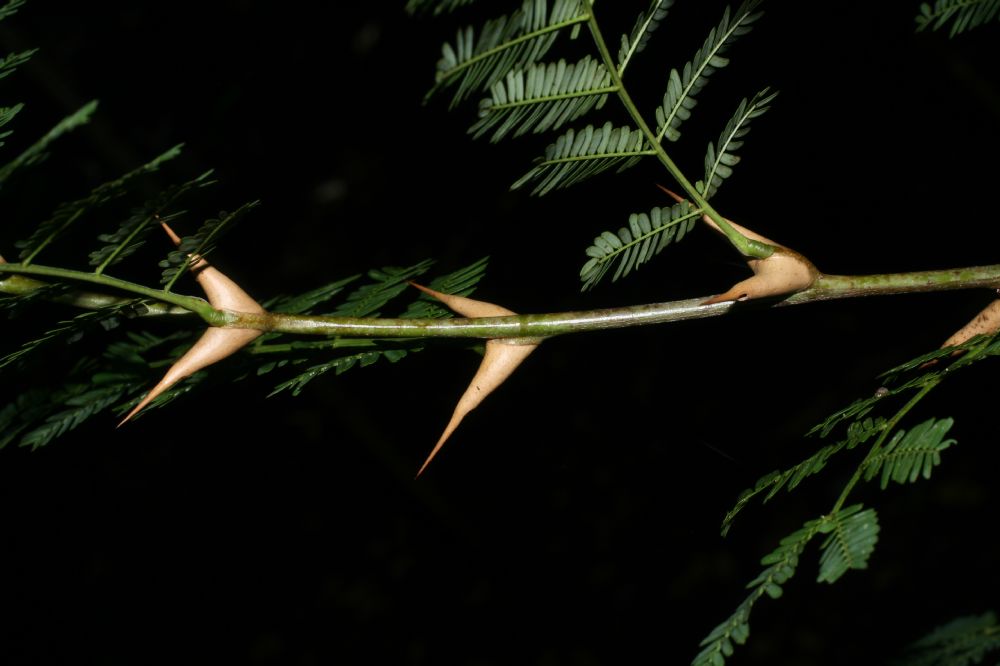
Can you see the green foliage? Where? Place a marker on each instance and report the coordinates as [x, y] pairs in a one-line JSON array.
[[780, 566], [910, 455], [68, 213], [436, 6], [130, 234], [963, 641], [576, 156], [36, 152], [528, 96], [851, 537], [634, 42], [387, 284], [307, 302], [644, 238], [683, 87], [961, 14], [852, 533], [10, 8], [11, 62], [721, 156], [73, 329], [858, 432], [543, 97], [200, 244], [504, 44], [40, 415]]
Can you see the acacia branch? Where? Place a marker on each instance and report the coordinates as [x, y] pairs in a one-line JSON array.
[[826, 288]]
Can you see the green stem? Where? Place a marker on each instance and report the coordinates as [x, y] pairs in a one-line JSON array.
[[188, 303], [877, 446], [748, 247], [827, 287]]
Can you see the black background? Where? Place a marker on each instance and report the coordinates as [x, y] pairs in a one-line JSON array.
[[573, 519]]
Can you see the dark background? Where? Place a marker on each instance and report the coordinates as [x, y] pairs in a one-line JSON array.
[[573, 519]]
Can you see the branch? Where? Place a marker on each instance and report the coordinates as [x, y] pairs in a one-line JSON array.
[[826, 288]]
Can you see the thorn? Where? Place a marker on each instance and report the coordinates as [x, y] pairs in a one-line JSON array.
[[784, 272], [215, 343], [502, 357], [986, 322]]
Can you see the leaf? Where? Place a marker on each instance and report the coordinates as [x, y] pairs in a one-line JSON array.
[[341, 365], [858, 433], [910, 455], [306, 302], [73, 329], [504, 44], [578, 155], [502, 357], [543, 96], [644, 238], [10, 8], [79, 408], [645, 25], [7, 114], [963, 641], [461, 282], [962, 14], [781, 564], [721, 156], [36, 152], [436, 6], [683, 87], [387, 284], [130, 233], [68, 213], [851, 538], [199, 245], [11, 62]]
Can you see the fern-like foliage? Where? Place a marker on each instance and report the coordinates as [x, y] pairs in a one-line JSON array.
[[684, 86], [851, 537], [634, 42], [961, 14], [578, 155], [10, 8], [858, 433], [307, 302], [386, 285], [780, 566], [721, 156], [527, 95], [130, 234], [961, 642], [68, 213], [94, 385], [505, 43], [11, 62], [37, 151], [542, 96], [72, 329], [200, 244], [910, 455], [435, 6], [7, 114], [852, 533], [645, 237]]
